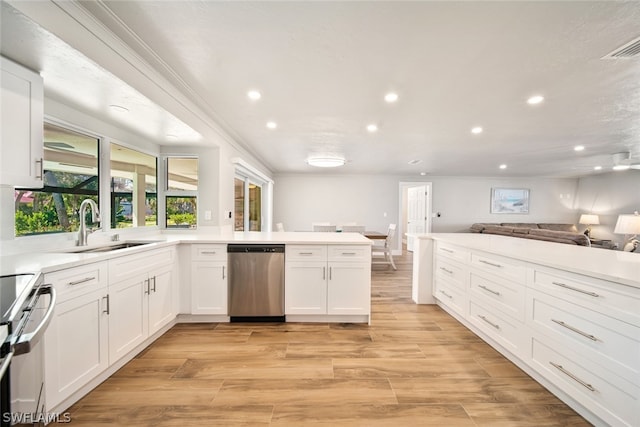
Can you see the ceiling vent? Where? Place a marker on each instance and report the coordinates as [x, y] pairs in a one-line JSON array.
[[628, 51]]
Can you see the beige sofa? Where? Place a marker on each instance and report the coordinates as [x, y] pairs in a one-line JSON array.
[[560, 233]]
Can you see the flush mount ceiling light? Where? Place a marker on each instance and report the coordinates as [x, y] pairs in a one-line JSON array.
[[272, 125], [372, 127], [325, 161], [254, 95], [476, 130], [536, 99], [503, 166], [578, 148], [597, 168], [118, 108], [391, 97]]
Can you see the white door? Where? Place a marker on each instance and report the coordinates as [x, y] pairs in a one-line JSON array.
[[416, 212], [128, 315], [305, 290], [347, 292], [209, 287], [161, 304]]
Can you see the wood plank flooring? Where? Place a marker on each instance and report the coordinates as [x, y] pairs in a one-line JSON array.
[[415, 365]]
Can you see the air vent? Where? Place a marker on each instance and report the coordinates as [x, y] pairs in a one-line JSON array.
[[628, 51]]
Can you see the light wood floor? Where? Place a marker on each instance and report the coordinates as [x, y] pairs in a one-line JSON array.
[[415, 365]]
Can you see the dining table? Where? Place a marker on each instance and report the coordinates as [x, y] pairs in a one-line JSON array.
[[375, 235]]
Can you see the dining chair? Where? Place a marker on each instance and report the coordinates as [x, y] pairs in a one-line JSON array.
[[326, 228], [353, 229], [279, 226], [385, 248]]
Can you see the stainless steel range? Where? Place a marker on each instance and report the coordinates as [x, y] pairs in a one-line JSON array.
[[26, 307]]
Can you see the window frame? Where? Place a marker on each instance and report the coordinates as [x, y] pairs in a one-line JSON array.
[[166, 192]]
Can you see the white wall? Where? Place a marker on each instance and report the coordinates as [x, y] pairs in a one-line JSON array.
[[300, 200], [609, 195]]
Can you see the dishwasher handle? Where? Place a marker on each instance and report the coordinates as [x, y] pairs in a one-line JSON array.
[[244, 248]]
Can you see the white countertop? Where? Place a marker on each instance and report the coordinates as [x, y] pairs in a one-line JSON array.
[[52, 259], [616, 266]]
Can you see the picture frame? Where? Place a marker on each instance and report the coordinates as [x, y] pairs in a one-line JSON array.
[[509, 200]]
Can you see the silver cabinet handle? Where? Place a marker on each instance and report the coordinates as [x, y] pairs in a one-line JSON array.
[[562, 285], [324, 273], [305, 253], [154, 283], [446, 294], [489, 321], [489, 290], [330, 268], [348, 253], [447, 250], [146, 283], [573, 377], [576, 330], [223, 272], [107, 311], [492, 264], [41, 162], [446, 270], [77, 282], [208, 252]]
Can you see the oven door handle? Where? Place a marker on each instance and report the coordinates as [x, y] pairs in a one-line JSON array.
[[27, 341], [6, 361]]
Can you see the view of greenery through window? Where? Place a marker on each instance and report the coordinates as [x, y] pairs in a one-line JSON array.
[[182, 184], [70, 176]]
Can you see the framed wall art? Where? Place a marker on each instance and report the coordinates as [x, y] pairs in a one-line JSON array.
[[510, 200]]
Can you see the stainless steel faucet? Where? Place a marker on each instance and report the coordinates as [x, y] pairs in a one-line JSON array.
[[83, 232]]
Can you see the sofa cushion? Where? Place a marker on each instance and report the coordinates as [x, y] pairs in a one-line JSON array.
[[520, 230], [498, 229], [559, 227], [520, 224], [560, 237]]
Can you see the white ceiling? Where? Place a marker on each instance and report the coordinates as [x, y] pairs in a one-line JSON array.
[[323, 69]]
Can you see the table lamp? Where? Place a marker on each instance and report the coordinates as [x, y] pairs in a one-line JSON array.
[[629, 224], [589, 220]]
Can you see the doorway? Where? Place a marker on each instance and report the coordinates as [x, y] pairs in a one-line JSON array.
[[414, 210]]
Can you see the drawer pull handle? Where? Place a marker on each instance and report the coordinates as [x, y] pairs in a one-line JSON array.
[[348, 253], [306, 253], [576, 330], [492, 264], [77, 282], [324, 273], [446, 294], [573, 377], [208, 252], [446, 270], [447, 250], [40, 173], [562, 285], [489, 290], [223, 272], [489, 321], [107, 310]]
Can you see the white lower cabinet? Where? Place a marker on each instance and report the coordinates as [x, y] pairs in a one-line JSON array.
[[209, 279], [76, 341], [328, 280]]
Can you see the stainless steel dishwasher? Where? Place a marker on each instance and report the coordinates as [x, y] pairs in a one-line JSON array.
[[256, 283]]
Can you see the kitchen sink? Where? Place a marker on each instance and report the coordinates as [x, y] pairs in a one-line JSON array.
[[111, 247]]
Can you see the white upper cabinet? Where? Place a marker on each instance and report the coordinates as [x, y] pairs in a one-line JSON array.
[[21, 118]]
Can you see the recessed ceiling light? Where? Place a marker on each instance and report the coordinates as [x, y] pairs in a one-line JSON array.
[[536, 99], [621, 167], [272, 125], [118, 108], [414, 161], [503, 166], [423, 173], [597, 168], [579, 148], [372, 127], [254, 95], [391, 97], [476, 130], [326, 161]]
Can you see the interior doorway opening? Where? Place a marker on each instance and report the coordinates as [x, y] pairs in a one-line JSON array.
[[415, 211]]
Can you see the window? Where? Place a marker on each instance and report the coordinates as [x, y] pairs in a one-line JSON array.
[[182, 192], [133, 188], [70, 176], [248, 205]]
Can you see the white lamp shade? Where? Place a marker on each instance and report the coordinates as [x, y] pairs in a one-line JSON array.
[[628, 224], [589, 219]]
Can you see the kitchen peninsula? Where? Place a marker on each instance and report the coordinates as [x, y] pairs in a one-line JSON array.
[[567, 315], [113, 304]]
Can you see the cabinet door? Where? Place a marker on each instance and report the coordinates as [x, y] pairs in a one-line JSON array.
[[76, 345], [349, 288], [305, 290], [209, 287], [161, 301], [21, 140], [128, 315]]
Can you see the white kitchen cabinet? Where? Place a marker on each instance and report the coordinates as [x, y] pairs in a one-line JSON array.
[[76, 341], [22, 118], [209, 279], [142, 298], [328, 280]]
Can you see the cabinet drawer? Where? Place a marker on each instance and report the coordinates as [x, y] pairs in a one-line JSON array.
[[613, 299], [77, 281], [140, 263], [451, 296], [349, 253], [612, 398], [208, 252], [500, 266], [504, 295], [506, 331], [452, 272], [604, 340], [453, 252], [306, 252]]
